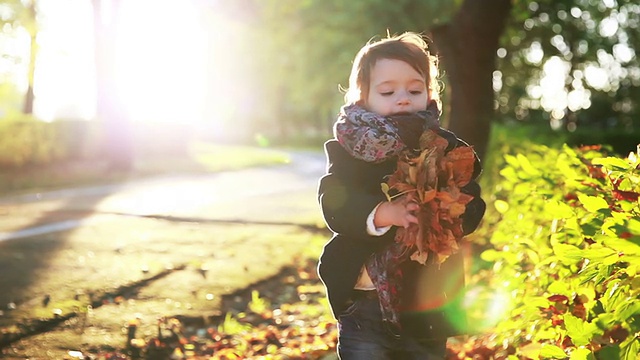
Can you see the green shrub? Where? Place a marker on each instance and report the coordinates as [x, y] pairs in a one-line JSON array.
[[512, 139], [564, 281], [25, 140]]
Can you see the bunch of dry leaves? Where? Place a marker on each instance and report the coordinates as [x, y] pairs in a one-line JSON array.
[[433, 177]]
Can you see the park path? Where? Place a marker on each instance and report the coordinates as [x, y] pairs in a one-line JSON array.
[[260, 194], [243, 225]]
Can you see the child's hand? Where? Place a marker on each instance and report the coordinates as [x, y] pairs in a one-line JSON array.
[[399, 212]]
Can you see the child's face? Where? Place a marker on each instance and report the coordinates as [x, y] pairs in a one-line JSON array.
[[396, 88]]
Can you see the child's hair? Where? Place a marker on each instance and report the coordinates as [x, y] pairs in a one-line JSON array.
[[408, 47]]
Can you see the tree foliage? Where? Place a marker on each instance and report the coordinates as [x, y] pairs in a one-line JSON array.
[[309, 45], [16, 14], [586, 39]]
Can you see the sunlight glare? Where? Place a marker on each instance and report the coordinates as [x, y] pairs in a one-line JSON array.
[[161, 60], [623, 53], [535, 53], [64, 67], [486, 306], [608, 27], [14, 44], [554, 96], [596, 77]]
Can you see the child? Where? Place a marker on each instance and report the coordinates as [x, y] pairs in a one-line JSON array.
[[392, 98]]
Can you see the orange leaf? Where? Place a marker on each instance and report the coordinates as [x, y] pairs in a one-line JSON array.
[[456, 209], [428, 195], [402, 187]]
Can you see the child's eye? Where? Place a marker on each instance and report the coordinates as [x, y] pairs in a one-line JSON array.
[[386, 93], [416, 92]]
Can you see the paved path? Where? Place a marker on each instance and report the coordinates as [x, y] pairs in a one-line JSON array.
[[256, 194]]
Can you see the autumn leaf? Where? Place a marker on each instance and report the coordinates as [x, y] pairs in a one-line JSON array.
[[428, 195], [413, 175], [420, 257], [625, 195], [456, 209], [463, 161]]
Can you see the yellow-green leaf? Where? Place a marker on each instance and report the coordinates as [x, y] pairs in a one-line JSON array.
[[385, 190], [501, 206], [558, 209], [552, 352], [612, 163], [592, 203], [581, 331], [568, 253], [526, 165], [581, 354]]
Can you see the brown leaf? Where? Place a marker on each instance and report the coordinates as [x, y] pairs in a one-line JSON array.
[[463, 162], [430, 139], [420, 257]]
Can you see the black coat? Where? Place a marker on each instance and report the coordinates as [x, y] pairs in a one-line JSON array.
[[347, 193]]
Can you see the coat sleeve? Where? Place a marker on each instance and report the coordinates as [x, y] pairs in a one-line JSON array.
[[475, 208], [346, 202]]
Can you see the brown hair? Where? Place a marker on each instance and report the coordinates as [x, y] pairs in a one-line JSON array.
[[408, 47]]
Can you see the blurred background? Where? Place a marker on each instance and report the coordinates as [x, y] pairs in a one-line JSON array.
[[111, 80]]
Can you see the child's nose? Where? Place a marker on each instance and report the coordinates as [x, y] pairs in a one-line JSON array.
[[403, 98]]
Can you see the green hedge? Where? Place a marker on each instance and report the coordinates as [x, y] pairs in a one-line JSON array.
[[28, 141]]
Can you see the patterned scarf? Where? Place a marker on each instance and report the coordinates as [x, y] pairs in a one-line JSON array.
[[374, 138]]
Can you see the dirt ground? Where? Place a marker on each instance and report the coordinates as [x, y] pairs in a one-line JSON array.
[[170, 269]]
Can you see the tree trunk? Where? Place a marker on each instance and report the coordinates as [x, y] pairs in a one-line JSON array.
[[467, 49], [110, 107], [29, 97]]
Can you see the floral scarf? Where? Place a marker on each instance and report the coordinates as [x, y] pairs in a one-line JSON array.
[[374, 138]]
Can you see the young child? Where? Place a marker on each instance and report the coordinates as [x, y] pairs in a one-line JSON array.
[[392, 98]]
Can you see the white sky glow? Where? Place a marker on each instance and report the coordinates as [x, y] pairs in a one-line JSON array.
[[159, 68], [162, 60], [64, 78]]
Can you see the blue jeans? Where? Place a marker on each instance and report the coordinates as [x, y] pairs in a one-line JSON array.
[[363, 335]]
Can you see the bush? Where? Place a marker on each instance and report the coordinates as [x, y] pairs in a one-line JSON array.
[[564, 280], [25, 141]]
